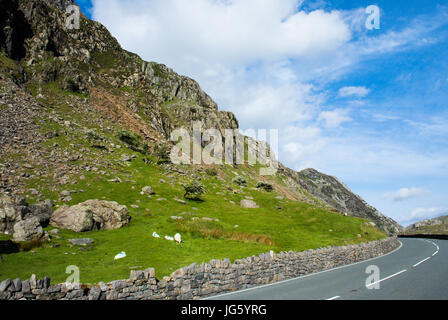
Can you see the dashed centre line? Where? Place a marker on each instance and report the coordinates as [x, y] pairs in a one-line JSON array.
[[436, 252], [391, 276], [437, 247], [419, 263]]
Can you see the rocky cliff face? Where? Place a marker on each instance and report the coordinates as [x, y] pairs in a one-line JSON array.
[[90, 57], [339, 196], [87, 73]]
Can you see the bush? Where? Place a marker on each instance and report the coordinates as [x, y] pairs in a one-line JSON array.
[[162, 152], [211, 172], [133, 141], [265, 186], [241, 181], [92, 135], [194, 190], [71, 85], [129, 138]]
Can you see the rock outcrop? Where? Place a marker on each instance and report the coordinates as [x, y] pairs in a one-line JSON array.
[[42, 211], [91, 215], [14, 29], [15, 209], [340, 197], [29, 230], [11, 211]]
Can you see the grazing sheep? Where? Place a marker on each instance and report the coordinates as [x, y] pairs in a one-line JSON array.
[[178, 238], [121, 255]]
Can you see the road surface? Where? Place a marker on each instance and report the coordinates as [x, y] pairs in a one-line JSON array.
[[418, 270]]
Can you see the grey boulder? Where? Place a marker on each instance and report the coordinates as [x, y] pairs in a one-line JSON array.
[[81, 242], [77, 218], [248, 204], [41, 211], [15, 209], [91, 215], [29, 230], [12, 210], [147, 191]]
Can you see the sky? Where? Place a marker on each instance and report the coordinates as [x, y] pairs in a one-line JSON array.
[[363, 102]]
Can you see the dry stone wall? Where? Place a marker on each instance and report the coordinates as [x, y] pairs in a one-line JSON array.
[[199, 281]]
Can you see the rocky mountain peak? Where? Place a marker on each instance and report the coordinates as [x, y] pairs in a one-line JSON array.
[[60, 4]]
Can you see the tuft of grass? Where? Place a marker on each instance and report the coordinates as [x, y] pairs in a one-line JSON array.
[[214, 230], [248, 237], [30, 245], [133, 141], [211, 172]]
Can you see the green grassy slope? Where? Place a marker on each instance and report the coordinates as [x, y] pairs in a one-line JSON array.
[[279, 225]]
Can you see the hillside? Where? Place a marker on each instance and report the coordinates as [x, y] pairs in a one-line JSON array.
[[83, 119], [430, 226]]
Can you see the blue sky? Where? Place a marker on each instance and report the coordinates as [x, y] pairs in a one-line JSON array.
[[367, 106]]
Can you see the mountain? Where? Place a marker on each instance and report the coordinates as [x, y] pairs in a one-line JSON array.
[[437, 225], [339, 196], [81, 118]]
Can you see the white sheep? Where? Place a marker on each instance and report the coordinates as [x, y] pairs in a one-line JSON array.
[[178, 238], [121, 255]]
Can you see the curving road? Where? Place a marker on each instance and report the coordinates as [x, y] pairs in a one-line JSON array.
[[418, 270]]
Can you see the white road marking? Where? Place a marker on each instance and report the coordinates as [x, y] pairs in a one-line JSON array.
[[334, 298], [438, 249], [394, 275], [417, 264]]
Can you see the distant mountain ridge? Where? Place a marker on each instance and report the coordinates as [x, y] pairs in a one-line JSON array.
[[437, 225], [337, 195]]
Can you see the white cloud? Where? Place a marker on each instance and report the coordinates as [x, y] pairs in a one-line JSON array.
[[359, 92], [434, 126], [408, 193], [230, 32], [375, 161], [333, 119], [272, 107], [419, 214], [384, 117]]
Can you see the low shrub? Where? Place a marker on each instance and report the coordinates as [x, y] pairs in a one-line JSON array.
[[265, 186], [211, 172], [133, 141], [241, 181], [162, 152], [194, 190]]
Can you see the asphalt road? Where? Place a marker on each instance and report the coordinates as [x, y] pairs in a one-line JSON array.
[[417, 270]]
